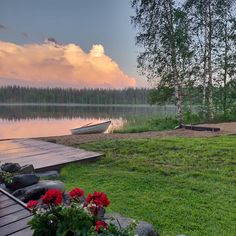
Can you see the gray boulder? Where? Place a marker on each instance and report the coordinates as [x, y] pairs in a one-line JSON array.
[[10, 167], [34, 192], [27, 169], [21, 181], [48, 174], [143, 228]]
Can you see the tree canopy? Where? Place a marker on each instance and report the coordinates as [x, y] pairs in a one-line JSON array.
[[186, 44]]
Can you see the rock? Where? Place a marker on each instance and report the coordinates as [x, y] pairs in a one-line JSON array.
[[34, 192], [10, 167], [48, 174], [27, 169], [21, 181], [143, 228]]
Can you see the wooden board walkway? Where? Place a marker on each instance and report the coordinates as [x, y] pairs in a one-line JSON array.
[[43, 155], [13, 216]]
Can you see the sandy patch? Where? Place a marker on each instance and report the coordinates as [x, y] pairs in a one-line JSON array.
[[226, 129]]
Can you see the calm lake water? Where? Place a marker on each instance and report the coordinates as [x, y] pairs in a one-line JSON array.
[[18, 121]]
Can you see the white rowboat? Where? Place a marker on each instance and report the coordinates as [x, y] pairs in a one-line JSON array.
[[92, 129]]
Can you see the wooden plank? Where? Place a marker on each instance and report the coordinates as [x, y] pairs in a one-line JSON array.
[[53, 157], [3, 197], [6, 203], [43, 154], [15, 226], [14, 217], [65, 161], [60, 165], [199, 128], [14, 198], [9, 145], [22, 151], [10, 157], [24, 232], [32, 152], [29, 153], [10, 209]]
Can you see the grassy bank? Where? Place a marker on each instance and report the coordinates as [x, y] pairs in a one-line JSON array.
[[180, 185], [155, 123], [144, 124]]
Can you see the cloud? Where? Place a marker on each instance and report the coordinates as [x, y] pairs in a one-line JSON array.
[[51, 64], [51, 40], [25, 35], [3, 27]]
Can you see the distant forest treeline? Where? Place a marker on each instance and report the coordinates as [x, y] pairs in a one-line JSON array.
[[133, 96], [16, 94]]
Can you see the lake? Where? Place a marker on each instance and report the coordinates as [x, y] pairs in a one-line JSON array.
[[35, 120]]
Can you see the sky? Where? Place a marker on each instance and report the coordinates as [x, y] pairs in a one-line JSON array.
[[68, 43]]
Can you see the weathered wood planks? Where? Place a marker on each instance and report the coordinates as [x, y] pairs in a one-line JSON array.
[[198, 128], [14, 216], [43, 155]]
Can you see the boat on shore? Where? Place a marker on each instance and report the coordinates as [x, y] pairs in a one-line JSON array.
[[92, 129]]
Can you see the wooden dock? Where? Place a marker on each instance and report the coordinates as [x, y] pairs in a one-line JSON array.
[[43, 155], [14, 216]]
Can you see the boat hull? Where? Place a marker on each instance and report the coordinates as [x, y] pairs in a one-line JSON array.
[[92, 129]]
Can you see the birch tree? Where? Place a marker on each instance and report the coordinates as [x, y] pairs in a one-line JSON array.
[[163, 36], [212, 30], [227, 49]]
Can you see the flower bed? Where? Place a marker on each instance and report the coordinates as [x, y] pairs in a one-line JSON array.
[[55, 214]]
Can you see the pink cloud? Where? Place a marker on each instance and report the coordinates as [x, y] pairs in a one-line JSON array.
[[51, 64]]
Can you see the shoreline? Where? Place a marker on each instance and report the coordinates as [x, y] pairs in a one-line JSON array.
[[84, 105], [228, 128]]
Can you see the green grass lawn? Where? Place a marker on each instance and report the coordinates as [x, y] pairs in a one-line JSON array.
[[180, 185], [143, 124]]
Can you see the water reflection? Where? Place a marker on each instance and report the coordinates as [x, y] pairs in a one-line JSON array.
[[35, 121], [70, 112]]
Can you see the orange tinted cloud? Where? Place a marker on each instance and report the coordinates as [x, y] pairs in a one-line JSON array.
[[51, 64]]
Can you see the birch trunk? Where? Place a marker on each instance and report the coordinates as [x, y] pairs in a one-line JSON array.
[[205, 66], [225, 68], [210, 80], [176, 80]]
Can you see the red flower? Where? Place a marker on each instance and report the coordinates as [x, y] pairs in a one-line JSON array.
[[101, 225], [52, 196], [89, 198], [76, 193], [98, 198], [32, 204]]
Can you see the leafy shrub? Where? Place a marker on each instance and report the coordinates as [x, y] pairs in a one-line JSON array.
[[77, 215]]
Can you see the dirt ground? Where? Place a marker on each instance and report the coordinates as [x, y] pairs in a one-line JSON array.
[[226, 129]]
